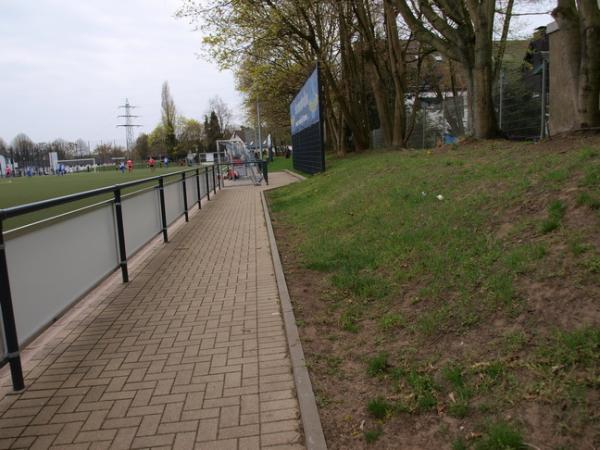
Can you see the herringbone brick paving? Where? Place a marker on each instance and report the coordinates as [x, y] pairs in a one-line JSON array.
[[190, 354]]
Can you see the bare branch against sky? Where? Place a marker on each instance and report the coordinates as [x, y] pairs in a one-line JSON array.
[[67, 65]]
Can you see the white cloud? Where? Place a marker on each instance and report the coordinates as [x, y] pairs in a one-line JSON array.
[[66, 65]]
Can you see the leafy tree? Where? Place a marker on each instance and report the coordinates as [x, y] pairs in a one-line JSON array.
[[157, 141], [169, 118], [212, 131], [142, 146], [190, 136]]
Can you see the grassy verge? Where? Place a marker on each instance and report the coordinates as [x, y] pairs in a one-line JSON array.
[[280, 163], [453, 292]]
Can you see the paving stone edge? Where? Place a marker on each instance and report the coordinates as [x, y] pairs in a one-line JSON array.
[[294, 174], [311, 422]]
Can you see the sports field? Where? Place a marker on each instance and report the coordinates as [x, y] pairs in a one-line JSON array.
[[17, 191]]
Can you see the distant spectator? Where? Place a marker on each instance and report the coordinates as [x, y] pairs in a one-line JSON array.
[[129, 165]]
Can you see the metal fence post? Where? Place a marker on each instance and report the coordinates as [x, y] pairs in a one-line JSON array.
[[214, 181], [185, 207], [207, 185], [8, 321], [543, 99], [163, 211], [198, 189], [501, 100], [121, 236], [424, 108]]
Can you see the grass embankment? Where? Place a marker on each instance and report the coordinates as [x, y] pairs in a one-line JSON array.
[[20, 190], [469, 320], [280, 163]]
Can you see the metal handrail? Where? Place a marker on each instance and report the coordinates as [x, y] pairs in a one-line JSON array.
[[13, 356], [14, 211]]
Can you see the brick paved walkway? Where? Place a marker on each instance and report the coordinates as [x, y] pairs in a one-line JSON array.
[[190, 354]]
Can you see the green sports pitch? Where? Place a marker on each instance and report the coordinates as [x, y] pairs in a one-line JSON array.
[[20, 190]]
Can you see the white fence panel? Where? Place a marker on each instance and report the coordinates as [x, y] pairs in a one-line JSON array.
[[51, 267], [141, 219]]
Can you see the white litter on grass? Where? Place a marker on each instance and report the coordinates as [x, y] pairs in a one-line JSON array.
[[440, 197], [423, 194]]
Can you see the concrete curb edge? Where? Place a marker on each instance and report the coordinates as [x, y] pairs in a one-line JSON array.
[[311, 421], [294, 174]]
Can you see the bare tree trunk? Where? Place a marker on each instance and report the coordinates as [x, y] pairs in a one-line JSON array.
[[589, 73], [482, 106], [398, 68], [355, 117], [375, 64], [580, 31]]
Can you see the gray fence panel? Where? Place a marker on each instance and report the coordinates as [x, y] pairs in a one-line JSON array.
[[202, 184], [51, 267], [174, 201], [141, 219], [190, 185]]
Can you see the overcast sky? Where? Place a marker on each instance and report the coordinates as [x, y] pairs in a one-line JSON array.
[[66, 65]]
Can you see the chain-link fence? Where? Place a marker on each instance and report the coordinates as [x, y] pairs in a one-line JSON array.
[[439, 119], [521, 101]]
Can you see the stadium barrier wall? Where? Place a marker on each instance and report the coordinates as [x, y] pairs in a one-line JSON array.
[[43, 270]]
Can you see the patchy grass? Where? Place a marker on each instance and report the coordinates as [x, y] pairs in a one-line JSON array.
[[371, 436], [501, 436], [378, 365], [380, 408], [457, 312]]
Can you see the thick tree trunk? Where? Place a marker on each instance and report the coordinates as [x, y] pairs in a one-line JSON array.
[[481, 102], [589, 85], [580, 32], [381, 101], [481, 76], [398, 69]]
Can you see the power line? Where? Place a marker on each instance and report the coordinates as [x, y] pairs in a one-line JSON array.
[[128, 125]]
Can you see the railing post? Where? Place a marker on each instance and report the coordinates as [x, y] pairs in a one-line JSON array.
[[543, 98], [185, 208], [198, 189], [207, 185], [163, 211], [214, 182], [8, 321], [121, 236]]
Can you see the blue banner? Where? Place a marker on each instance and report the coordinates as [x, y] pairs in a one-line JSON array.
[[304, 110]]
